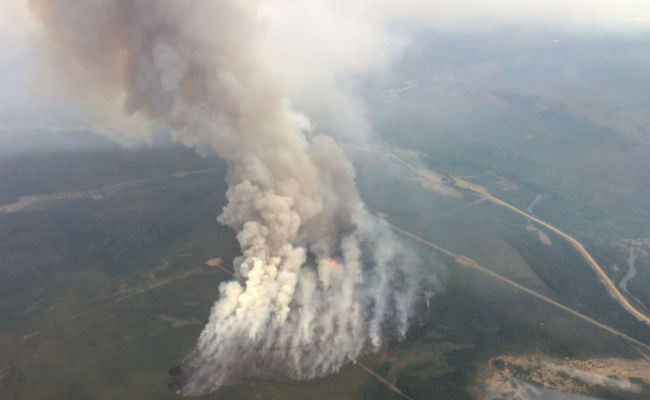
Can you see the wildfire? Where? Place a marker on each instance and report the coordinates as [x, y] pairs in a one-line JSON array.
[[333, 263]]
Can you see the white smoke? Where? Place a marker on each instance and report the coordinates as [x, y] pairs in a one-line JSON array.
[[318, 282]]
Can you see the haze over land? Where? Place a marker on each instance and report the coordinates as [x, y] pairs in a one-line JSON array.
[[486, 138]]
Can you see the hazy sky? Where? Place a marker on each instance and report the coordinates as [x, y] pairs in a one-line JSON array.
[[336, 37]]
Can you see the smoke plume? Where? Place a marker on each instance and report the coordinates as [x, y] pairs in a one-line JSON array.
[[318, 282]]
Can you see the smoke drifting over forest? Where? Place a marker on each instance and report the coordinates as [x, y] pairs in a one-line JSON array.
[[318, 282]]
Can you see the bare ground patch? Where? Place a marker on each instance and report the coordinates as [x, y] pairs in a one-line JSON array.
[[543, 237], [506, 376], [213, 262]]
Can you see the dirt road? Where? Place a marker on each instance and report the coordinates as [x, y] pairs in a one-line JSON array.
[[602, 276], [468, 262]]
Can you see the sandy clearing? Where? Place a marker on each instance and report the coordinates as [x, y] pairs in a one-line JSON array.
[[503, 375], [543, 237], [213, 262]]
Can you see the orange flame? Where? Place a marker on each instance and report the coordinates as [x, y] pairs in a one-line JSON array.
[[333, 263]]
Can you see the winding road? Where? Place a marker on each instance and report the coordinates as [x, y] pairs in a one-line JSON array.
[[602, 276]]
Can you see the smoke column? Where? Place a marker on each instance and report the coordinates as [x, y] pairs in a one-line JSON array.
[[318, 282]]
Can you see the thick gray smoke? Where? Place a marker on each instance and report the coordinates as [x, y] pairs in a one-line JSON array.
[[318, 282]]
